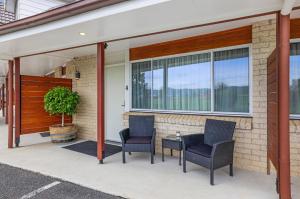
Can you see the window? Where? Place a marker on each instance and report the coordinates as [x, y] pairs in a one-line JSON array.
[[141, 85], [231, 80], [182, 83], [295, 78], [216, 81]]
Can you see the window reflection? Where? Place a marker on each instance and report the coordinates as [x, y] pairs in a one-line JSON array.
[[184, 83], [295, 79], [141, 85], [231, 80], [189, 86]]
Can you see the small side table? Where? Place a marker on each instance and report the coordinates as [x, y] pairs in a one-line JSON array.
[[172, 142]]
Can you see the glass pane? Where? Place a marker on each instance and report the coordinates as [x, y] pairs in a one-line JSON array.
[[231, 80], [188, 83], [159, 91], [141, 85], [295, 79]]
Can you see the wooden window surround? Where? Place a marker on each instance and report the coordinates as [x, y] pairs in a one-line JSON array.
[[233, 37], [295, 28]]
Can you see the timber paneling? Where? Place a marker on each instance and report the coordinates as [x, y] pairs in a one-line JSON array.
[[33, 116], [295, 28], [226, 38], [272, 109]]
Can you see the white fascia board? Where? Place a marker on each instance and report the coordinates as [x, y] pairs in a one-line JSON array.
[[287, 6], [81, 18]]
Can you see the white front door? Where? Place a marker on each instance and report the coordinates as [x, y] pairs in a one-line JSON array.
[[114, 101]]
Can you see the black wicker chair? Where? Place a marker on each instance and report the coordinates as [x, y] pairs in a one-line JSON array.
[[139, 137], [213, 149]]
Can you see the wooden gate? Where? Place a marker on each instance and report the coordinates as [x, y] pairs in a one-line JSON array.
[[272, 115], [33, 116]]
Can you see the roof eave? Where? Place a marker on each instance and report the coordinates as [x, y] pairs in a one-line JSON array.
[[67, 10]]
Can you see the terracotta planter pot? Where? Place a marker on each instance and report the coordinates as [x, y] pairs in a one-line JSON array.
[[65, 133]]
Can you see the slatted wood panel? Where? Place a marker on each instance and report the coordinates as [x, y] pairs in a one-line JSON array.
[[272, 121], [226, 38], [295, 28], [33, 116]]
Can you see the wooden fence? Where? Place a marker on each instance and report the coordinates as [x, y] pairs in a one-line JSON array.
[[33, 116]]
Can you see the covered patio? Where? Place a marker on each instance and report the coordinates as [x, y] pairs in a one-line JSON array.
[[109, 88], [136, 179]]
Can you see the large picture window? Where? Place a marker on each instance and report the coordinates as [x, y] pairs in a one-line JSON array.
[[231, 80], [295, 78], [188, 83], [215, 81]]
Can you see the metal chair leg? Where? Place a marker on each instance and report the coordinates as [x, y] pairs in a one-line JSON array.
[[123, 157], [162, 154], [152, 158], [211, 176], [231, 169], [179, 158], [184, 164]]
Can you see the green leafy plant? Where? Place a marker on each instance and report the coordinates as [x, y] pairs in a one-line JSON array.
[[61, 101]]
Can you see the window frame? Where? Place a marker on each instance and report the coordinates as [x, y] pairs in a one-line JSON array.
[[211, 112], [294, 116]]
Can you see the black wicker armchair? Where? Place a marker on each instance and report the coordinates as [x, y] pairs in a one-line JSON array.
[[213, 149], [139, 137]]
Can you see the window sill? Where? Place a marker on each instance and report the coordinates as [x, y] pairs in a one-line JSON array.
[[221, 114], [294, 117]]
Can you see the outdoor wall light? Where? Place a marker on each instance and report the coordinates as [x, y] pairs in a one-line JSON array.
[[77, 75], [82, 33]]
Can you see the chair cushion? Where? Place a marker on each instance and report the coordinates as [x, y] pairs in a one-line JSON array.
[[139, 140], [201, 149]]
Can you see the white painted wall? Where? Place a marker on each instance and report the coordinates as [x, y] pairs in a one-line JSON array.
[[28, 8]]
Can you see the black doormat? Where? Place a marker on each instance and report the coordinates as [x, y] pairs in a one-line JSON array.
[[90, 148], [46, 134]]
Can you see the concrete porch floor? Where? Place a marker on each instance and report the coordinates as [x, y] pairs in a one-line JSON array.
[[137, 179]]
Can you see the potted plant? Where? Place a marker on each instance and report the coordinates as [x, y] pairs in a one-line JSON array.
[[61, 101]]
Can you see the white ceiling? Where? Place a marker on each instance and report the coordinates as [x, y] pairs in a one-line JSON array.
[[127, 19]]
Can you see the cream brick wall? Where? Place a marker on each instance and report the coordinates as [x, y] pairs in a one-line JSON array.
[[57, 71], [250, 134], [263, 43], [295, 147], [86, 115]]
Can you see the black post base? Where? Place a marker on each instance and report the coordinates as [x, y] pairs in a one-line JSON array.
[[17, 141]]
